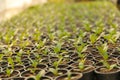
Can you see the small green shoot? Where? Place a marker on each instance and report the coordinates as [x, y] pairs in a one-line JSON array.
[[103, 51], [39, 75], [9, 72]]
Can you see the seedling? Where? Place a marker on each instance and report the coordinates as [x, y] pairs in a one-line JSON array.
[[36, 35], [34, 63], [103, 51], [41, 43], [1, 56], [56, 63], [18, 59], [80, 38], [81, 49], [112, 36], [9, 72], [57, 48], [19, 53], [108, 66], [82, 65], [39, 75], [69, 75], [93, 38], [11, 62], [87, 26], [45, 51], [54, 71]]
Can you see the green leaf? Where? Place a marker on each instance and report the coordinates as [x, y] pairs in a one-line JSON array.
[[93, 38], [57, 48], [39, 75], [8, 72], [54, 71]]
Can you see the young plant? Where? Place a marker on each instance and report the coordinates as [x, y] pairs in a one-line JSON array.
[[112, 36], [9, 72], [39, 75], [45, 51], [108, 66], [87, 26], [1, 56], [81, 65], [56, 64], [80, 38], [54, 71], [11, 62], [81, 49], [41, 43], [34, 63], [20, 53], [57, 48], [103, 51], [93, 38], [18, 59], [69, 75], [36, 35]]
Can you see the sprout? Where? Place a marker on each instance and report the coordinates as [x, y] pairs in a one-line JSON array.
[[56, 63], [112, 36], [18, 59], [81, 65], [93, 38], [19, 53], [39, 75], [81, 49], [9, 72], [108, 66], [41, 43], [98, 30], [1, 56], [87, 26], [57, 48], [11, 62], [69, 75], [34, 63], [54, 71], [103, 51]]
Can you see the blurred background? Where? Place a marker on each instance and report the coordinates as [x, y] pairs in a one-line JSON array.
[[8, 8]]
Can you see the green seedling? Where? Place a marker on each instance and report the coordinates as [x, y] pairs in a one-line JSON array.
[[98, 30], [19, 53], [11, 62], [82, 65], [112, 36], [9, 72], [45, 51], [57, 48], [39, 75], [1, 56], [80, 38], [41, 43], [108, 66], [18, 59], [51, 36], [103, 51], [80, 49], [87, 26], [36, 35], [34, 63], [93, 38], [56, 63], [28, 52], [54, 71], [69, 75]]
